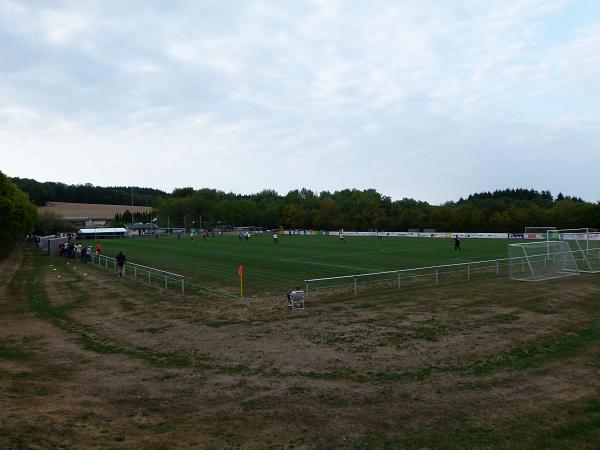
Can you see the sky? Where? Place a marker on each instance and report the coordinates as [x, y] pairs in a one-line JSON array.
[[424, 99]]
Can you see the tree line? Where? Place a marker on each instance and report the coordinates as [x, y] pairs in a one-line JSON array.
[[42, 193], [17, 215], [506, 210]]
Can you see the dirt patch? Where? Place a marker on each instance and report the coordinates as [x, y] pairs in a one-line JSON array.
[[101, 361]]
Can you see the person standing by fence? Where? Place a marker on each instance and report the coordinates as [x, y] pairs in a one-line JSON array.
[[121, 260]]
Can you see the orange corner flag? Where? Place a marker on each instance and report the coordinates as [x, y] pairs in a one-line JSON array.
[[241, 271]]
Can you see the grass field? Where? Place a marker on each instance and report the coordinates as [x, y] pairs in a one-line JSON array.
[[88, 360], [274, 269]]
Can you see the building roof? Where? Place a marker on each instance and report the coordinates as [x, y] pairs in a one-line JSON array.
[[141, 226], [76, 218], [102, 230]]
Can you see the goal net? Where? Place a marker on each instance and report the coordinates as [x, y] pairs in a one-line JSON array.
[[584, 243], [537, 261]]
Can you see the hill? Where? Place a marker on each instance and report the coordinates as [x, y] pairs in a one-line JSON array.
[[91, 210]]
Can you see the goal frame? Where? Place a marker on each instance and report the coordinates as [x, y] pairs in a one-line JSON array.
[[553, 259]]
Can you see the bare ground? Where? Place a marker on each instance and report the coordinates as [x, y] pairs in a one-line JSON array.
[[89, 360], [93, 210]]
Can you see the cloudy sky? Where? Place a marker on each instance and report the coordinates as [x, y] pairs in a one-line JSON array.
[[430, 99]]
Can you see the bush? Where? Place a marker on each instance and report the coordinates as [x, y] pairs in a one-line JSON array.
[[17, 215], [50, 223]]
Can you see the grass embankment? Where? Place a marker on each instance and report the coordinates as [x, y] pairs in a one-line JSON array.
[[88, 360]]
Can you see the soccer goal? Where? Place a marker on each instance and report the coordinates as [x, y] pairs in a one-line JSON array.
[[584, 243], [538, 261]]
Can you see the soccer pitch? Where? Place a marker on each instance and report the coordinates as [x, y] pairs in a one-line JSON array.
[[276, 268]]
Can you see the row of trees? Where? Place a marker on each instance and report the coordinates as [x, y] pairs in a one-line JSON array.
[[352, 209], [17, 215], [127, 218], [41, 193]]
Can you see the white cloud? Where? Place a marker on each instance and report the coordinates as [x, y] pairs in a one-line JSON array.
[[337, 93]]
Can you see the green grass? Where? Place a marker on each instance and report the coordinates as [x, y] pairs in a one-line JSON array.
[[270, 268], [12, 352]]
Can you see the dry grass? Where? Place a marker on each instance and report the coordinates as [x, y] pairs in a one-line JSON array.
[[92, 210], [94, 361]]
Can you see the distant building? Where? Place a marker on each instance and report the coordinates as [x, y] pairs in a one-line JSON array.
[[139, 229], [95, 223], [100, 233]]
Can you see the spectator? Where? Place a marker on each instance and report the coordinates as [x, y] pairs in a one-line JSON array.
[[121, 260]]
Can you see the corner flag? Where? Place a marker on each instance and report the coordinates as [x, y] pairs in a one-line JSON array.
[[241, 275]]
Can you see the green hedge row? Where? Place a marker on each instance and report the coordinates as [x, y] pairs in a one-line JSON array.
[[17, 215]]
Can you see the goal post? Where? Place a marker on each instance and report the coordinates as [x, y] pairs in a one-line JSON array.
[[538, 261], [584, 244]]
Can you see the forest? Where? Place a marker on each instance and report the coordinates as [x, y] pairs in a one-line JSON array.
[[506, 210], [42, 193]]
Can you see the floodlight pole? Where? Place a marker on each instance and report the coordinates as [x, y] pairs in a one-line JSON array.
[[131, 231]]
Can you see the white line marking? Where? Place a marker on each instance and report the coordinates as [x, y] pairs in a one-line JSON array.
[[314, 263]]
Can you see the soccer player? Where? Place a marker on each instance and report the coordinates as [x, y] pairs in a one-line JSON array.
[[456, 243], [275, 237]]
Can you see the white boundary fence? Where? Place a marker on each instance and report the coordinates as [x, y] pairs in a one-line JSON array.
[[157, 277], [419, 276], [147, 274]]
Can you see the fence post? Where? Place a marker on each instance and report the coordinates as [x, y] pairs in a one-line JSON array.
[[399, 280], [497, 267], [468, 271], [166, 282], [135, 273], [355, 288], [149, 274], [306, 289], [436, 275], [182, 286]]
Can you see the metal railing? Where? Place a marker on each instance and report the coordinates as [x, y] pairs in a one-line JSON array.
[[158, 277], [434, 275], [143, 273], [419, 276]]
